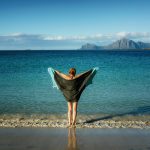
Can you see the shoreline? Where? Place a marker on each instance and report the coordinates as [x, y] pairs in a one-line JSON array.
[[15, 121]]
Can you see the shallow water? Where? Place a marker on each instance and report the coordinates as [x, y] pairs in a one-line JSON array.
[[121, 86]]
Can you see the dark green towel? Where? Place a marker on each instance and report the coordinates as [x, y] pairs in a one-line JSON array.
[[72, 89]]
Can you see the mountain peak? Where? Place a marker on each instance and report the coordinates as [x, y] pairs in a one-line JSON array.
[[122, 43], [89, 46], [124, 39]]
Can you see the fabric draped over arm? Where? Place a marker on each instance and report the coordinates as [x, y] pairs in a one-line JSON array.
[[72, 89]]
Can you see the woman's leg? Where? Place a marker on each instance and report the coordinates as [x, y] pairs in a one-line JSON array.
[[70, 113], [75, 104]]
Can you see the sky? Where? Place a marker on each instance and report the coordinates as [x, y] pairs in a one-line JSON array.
[[68, 24]]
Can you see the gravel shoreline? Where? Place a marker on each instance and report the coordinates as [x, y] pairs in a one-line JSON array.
[[62, 123]]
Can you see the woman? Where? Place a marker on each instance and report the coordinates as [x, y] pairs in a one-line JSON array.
[[72, 86]]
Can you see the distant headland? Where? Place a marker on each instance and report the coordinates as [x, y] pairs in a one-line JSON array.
[[124, 44]]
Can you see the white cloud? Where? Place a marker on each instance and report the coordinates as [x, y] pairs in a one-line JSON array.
[[102, 37], [111, 36], [133, 35], [21, 40], [51, 38], [15, 34]]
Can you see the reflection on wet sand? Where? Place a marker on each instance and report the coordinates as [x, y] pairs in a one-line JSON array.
[[72, 141]]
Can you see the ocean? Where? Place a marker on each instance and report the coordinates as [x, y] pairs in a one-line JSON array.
[[121, 85]]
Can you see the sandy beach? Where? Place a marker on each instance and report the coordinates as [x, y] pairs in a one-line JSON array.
[[73, 139]]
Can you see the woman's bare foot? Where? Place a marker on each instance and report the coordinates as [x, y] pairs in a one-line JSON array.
[[74, 124], [69, 125]]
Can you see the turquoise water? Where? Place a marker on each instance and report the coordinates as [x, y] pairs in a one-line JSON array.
[[122, 84]]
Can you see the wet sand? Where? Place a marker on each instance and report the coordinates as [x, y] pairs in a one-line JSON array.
[[74, 139]]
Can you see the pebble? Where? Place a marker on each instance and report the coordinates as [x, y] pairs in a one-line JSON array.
[[44, 122]]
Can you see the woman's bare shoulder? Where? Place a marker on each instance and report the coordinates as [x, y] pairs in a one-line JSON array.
[[63, 75], [67, 77]]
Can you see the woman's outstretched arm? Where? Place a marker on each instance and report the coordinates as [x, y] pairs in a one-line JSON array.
[[61, 74], [81, 74]]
